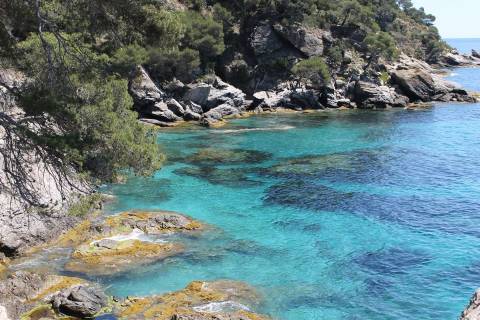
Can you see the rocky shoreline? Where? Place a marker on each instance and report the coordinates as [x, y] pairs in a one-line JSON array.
[[107, 245], [211, 99]]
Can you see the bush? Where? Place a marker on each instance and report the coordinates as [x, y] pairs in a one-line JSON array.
[[313, 69]]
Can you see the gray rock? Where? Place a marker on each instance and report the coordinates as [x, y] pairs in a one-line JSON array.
[[221, 111], [369, 95], [270, 99], [305, 99], [161, 111], [475, 54], [310, 41], [211, 96], [143, 90], [268, 46], [198, 93], [80, 301], [174, 106], [107, 244], [472, 311]]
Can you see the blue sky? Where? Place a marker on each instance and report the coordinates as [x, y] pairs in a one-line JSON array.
[[455, 18]]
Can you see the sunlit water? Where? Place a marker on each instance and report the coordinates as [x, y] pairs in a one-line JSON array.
[[331, 215]]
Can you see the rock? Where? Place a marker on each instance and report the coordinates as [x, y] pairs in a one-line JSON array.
[[175, 87], [220, 300], [221, 111], [119, 256], [21, 291], [3, 313], [211, 96], [198, 93], [305, 99], [156, 122], [309, 41], [369, 95], [195, 108], [120, 242], [142, 89], [174, 106], [80, 301], [270, 99], [192, 116], [269, 47], [160, 111], [458, 60], [475, 54], [418, 84], [472, 312]]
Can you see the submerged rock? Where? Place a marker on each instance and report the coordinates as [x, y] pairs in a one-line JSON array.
[[213, 156], [228, 177]]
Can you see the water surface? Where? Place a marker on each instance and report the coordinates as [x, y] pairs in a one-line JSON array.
[[331, 215]]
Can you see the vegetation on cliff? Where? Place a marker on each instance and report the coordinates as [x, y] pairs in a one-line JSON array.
[[77, 56]]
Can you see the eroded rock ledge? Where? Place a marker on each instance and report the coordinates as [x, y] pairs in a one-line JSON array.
[[32, 296]]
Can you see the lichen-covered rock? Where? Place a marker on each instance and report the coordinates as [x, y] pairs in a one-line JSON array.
[[105, 258], [472, 312], [22, 291], [200, 300], [143, 90], [124, 241]]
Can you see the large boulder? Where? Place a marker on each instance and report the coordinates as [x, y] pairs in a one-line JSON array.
[[80, 301], [309, 41], [369, 95], [472, 311], [420, 85], [214, 94], [268, 46], [142, 89]]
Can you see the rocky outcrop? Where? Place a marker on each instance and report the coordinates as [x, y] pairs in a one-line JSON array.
[[220, 300], [420, 85], [310, 41], [80, 301], [454, 59], [123, 242], [420, 82], [472, 312], [268, 46], [371, 96], [22, 291], [36, 195]]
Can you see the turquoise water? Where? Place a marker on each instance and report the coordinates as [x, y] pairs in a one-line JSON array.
[[331, 215]]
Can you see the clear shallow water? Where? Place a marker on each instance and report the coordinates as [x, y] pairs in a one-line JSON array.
[[365, 215]]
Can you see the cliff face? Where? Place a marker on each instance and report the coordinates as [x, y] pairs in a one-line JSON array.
[[35, 193]]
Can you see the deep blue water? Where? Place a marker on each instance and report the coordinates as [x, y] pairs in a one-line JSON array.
[[464, 45], [331, 215]]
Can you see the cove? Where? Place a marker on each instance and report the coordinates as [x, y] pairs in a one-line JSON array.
[[331, 215]]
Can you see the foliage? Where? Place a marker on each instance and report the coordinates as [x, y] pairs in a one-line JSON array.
[[313, 69]]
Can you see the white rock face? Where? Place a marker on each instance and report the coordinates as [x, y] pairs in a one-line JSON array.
[[3, 313]]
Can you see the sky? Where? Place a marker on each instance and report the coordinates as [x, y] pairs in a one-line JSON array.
[[455, 18]]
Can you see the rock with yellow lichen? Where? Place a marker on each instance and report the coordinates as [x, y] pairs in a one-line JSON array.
[[23, 291], [150, 223], [109, 256], [123, 242], [220, 300]]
